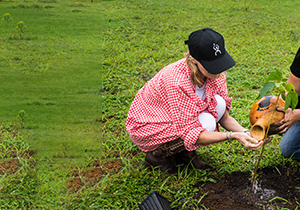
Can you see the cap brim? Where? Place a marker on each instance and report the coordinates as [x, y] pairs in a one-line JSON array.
[[217, 66]]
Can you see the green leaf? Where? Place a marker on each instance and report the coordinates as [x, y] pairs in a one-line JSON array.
[[291, 97], [282, 93], [288, 101], [294, 102], [289, 87], [268, 86], [275, 76], [284, 80]]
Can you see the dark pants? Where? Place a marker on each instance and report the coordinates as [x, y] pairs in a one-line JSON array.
[[290, 142]]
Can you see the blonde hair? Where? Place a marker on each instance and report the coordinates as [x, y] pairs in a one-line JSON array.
[[194, 71], [196, 74]]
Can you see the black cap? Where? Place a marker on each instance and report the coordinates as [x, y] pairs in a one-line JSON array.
[[295, 67], [208, 47]]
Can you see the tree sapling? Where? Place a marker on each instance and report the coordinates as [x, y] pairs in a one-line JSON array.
[[275, 83], [21, 28]]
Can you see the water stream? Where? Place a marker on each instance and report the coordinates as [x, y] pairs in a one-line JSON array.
[[265, 194]]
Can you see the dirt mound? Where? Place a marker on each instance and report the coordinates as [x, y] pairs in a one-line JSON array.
[[274, 187]]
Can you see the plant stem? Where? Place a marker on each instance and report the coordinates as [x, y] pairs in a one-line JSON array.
[[263, 147]]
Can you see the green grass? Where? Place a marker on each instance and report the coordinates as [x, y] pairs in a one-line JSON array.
[[144, 36], [53, 72], [18, 183]]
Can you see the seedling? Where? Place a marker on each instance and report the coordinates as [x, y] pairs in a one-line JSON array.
[[276, 84], [21, 28], [22, 116], [7, 17]]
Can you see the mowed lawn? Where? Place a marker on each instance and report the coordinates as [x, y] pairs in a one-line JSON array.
[[52, 72], [77, 65]]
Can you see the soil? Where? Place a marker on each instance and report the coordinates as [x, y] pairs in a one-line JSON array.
[[10, 162], [93, 173], [276, 187], [272, 188]]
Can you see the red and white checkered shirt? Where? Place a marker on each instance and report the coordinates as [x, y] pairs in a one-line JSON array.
[[167, 108]]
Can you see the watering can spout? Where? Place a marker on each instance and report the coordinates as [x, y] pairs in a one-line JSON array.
[[261, 113], [258, 130]]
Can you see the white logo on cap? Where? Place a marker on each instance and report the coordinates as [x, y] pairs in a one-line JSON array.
[[216, 48]]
